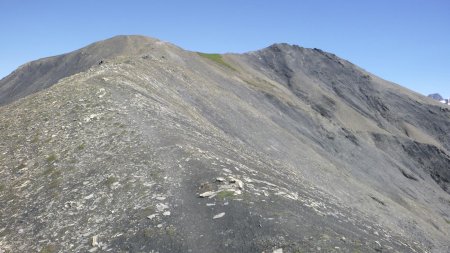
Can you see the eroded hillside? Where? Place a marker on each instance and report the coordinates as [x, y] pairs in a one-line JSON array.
[[164, 150]]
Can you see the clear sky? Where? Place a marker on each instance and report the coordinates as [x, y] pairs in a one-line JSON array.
[[404, 41]]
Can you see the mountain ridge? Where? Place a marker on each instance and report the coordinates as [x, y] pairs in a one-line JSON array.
[[44, 72], [297, 150]]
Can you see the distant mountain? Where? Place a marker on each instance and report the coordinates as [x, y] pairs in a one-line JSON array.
[[132, 144], [436, 96]]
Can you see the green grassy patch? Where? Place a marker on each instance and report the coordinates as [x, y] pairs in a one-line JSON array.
[[225, 194], [4, 233], [171, 231], [216, 58], [147, 211], [51, 158], [35, 139], [150, 232], [81, 146]]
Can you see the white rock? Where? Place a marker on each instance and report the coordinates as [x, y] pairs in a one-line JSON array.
[[220, 215], [220, 179], [210, 204], [278, 251], [239, 184], [151, 217], [89, 197], [166, 213], [95, 241], [227, 171], [161, 207], [207, 194], [248, 180], [160, 198]]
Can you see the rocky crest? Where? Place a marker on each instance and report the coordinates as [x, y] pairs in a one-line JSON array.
[[135, 145]]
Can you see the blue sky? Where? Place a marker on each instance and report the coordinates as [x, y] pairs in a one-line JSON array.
[[404, 41]]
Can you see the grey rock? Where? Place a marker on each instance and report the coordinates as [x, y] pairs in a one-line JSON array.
[[161, 207], [323, 149]]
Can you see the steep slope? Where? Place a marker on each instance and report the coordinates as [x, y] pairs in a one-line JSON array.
[[292, 148], [37, 75]]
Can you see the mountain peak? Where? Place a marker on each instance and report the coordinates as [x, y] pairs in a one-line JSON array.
[[128, 40], [282, 47], [40, 74], [123, 45], [436, 96]]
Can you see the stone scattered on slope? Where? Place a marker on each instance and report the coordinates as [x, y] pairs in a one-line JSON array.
[[95, 241], [219, 215], [207, 194], [300, 141]]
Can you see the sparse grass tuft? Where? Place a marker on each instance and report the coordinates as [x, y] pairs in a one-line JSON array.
[[110, 180], [149, 232], [147, 211], [367, 77], [216, 58], [81, 146], [48, 249], [35, 139], [51, 158], [5, 232], [171, 231], [21, 166], [225, 194]]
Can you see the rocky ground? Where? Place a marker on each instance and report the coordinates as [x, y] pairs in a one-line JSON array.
[[145, 147]]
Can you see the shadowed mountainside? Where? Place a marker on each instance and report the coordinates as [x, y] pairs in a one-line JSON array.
[[158, 149]]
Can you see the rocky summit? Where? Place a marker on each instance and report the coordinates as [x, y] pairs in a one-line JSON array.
[[132, 144]]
